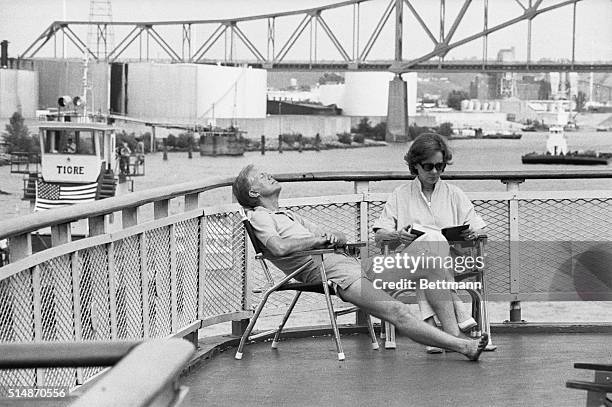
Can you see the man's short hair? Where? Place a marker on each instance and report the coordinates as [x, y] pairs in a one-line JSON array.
[[242, 186]]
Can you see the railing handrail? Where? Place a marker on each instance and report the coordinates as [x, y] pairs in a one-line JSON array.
[[26, 355], [39, 220], [145, 375]]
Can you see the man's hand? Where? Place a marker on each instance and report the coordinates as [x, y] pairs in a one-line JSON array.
[[334, 239]]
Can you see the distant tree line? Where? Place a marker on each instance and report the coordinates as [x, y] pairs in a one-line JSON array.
[[378, 132], [17, 136]]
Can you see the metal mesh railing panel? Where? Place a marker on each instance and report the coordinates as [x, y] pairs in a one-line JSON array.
[[158, 271], [17, 322], [57, 312], [496, 215], [95, 298], [343, 217], [224, 264], [565, 245], [374, 210], [128, 288], [187, 241]]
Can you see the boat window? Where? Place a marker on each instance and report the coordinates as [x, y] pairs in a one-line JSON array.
[[85, 142], [52, 141], [69, 142]]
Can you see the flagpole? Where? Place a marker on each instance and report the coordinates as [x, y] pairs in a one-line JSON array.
[[63, 33]]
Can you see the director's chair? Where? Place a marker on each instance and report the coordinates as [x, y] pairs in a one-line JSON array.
[[474, 248], [286, 284]]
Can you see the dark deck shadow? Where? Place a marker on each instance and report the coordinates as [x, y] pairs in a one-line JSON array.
[[526, 370]]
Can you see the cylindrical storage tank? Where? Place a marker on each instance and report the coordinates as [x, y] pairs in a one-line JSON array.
[[470, 105], [497, 106], [485, 106], [476, 105], [366, 93], [464, 104]]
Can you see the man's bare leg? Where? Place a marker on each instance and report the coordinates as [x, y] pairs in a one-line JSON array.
[[382, 305]]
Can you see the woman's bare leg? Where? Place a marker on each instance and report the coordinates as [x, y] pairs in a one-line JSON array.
[[378, 303]]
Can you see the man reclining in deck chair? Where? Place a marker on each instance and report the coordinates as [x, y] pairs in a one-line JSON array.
[[284, 232]]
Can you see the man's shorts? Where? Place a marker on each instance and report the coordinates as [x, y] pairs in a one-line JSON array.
[[341, 269]]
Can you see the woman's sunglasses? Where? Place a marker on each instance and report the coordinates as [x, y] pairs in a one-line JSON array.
[[429, 166]]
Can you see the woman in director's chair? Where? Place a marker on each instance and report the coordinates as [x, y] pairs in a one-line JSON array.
[[429, 204]]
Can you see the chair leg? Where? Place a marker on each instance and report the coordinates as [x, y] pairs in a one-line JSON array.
[[285, 318], [371, 331], [390, 338], [330, 308], [486, 326], [251, 325]]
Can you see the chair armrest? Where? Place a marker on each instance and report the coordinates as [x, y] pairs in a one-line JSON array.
[[590, 386], [593, 366], [315, 252]]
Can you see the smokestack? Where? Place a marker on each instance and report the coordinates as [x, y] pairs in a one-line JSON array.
[[4, 54]]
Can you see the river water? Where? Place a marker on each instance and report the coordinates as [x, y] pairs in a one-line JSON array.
[[469, 155]]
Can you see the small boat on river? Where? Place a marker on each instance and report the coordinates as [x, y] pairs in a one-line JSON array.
[[557, 152]]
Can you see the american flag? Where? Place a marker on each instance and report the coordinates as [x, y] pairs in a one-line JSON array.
[[51, 195]]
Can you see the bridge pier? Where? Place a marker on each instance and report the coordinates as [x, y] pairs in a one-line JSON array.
[[397, 111]]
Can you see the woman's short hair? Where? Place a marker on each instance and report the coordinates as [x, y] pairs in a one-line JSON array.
[[242, 186], [423, 147]]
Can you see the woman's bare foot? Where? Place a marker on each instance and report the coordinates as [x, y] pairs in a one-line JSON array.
[[476, 347]]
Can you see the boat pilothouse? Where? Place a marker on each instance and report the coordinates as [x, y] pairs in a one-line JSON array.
[[556, 144], [77, 163]]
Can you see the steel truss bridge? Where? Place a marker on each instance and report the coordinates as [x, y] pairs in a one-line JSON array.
[[238, 41]]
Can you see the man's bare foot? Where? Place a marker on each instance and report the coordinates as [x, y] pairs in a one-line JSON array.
[[476, 347]]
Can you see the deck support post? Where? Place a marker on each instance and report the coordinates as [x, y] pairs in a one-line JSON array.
[[363, 187], [512, 185], [515, 311]]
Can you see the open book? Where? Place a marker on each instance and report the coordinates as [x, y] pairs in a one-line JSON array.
[[452, 234]]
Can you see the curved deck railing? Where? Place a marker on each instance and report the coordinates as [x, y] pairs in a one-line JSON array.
[[176, 273]]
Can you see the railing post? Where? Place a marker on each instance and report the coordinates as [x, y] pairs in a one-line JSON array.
[[512, 185], [76, 301], [112, 288], [161, 209], [60, 234], [201, 265], [173, 281], [192, 201], [238, 327], [129, 217], [97, 225], [363, 187], [144, 276]]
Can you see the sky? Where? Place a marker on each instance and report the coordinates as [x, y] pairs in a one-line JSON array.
[[22, 21]]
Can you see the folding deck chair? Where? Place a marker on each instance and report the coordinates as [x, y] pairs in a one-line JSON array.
[[473, 248], [286, 284]]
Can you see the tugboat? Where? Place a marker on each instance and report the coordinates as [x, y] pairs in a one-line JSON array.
[[557, 152]]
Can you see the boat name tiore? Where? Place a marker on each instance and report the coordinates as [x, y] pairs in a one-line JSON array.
[[64, 169]]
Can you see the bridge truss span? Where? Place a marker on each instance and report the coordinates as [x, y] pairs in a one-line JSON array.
[[375, 35]]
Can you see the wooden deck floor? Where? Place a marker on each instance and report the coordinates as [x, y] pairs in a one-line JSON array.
[[526, 370]]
